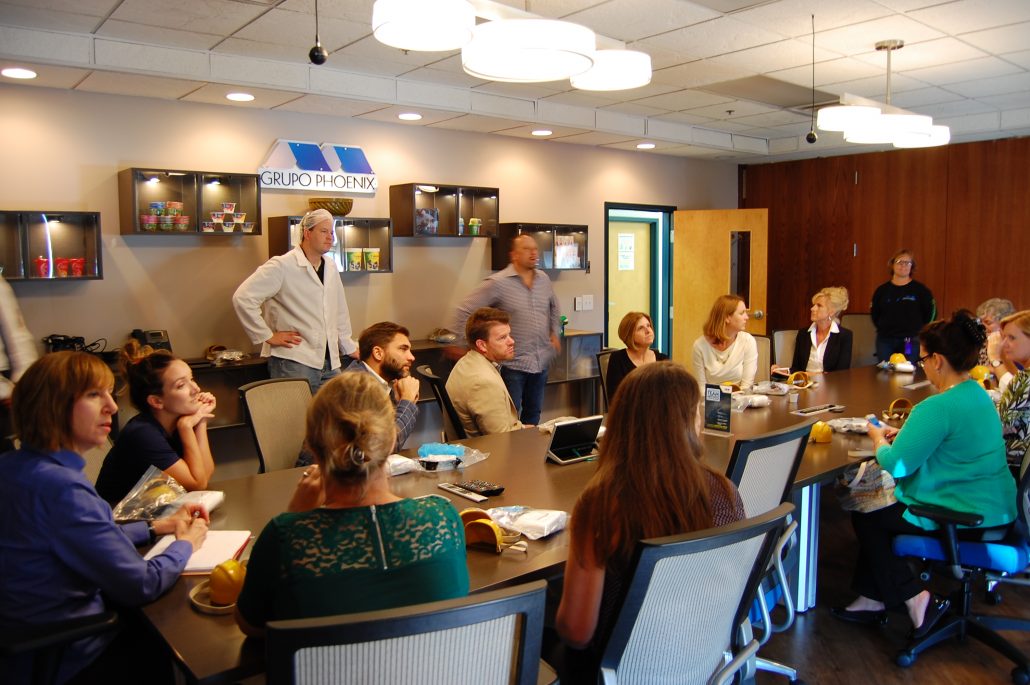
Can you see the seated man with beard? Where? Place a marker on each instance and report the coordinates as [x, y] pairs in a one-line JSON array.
[[385, 352]]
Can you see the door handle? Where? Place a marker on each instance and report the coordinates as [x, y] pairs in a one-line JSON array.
[[758, 314]]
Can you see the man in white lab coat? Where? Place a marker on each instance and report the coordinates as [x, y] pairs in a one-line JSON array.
[[304, 327]]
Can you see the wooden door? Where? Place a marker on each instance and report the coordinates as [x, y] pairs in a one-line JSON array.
[[703, 259], [629, 273]]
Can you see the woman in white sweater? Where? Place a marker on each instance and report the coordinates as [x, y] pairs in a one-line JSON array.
[[726, 353]]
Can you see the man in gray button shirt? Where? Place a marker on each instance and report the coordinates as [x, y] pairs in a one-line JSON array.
[[525, 292]]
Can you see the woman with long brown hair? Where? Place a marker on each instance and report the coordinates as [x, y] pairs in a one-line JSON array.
[[726, 353], [650, 482], [170, 431]]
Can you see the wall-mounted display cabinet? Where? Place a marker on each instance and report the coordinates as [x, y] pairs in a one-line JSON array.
[[50, 246], [429, 209], [563, 247], [360, 245], [170, 202]]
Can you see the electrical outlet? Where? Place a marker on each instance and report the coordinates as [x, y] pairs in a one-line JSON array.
[[577, 304], [588, 303]]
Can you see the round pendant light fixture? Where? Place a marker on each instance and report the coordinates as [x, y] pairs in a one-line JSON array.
[[424, 25], [528, 50], [615, 70]]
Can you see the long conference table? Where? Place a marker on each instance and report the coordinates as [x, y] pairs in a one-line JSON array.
[[211, 649]]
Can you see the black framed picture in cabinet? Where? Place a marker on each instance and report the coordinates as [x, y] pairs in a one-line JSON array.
[[53, 245], [563, 247]]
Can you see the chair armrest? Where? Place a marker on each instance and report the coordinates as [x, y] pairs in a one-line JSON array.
[[945, 516], [29, 637]]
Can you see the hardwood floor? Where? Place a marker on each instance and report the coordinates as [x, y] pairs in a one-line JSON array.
[[829, 652]]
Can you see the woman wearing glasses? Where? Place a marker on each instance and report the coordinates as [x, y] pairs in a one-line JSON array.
[[900, 308], [949, 453]]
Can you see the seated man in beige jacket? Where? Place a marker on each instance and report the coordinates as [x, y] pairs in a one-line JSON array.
[[475, 385]]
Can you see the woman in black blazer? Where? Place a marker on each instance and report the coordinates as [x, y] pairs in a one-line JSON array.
[[831, 342]]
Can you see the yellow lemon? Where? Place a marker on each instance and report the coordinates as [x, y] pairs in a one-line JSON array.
[[898, 358], [821, 432], [979, 373], [227, 581]]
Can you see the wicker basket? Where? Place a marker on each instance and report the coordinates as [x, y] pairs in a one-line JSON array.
[[898, 411], [337, 206]]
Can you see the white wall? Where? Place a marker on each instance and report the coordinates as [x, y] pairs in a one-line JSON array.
[[62, 150]]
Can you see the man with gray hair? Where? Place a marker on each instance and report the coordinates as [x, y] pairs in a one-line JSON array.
[[304, 327]]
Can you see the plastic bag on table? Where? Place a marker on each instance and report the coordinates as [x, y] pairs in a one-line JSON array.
[[533, 523], [151, 493]]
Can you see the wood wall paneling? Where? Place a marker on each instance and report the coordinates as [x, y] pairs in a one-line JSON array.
[[988, 223]]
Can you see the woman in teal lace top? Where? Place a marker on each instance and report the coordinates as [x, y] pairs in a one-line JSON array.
[[348, 544]]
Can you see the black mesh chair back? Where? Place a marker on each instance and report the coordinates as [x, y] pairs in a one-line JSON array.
[[452, 428]]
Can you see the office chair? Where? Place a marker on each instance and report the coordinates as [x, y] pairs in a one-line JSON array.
[[708, 577], [452, 427], [968, 563], [863, 346], [46, 642], [492, 637], [783, 347], [763, 469], [276, 411], [602, 369], [764, 345]]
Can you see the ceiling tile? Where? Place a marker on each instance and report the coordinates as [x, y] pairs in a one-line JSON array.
[[832, 71], [264, 98], [682, 99], [716, 37], [477, 123], [1021, 58], [114, 83], [297, 30], [594, 138], [47, 76], [956, 72], [443, 77], [924, 96], [993, 86], [530, 91], [794, 17], [922, 55], [95, 8], [200, 16], [1000, 40], [353, 10], [859, 39], [698, 73], [780, 55], [624, 20], [963, 16], [526, 131], [258, 50], [389, 115], [778, 117], [1009, 101], [42, 18], [684, 118], [323, 104], [957, 108], [635, 108], [659, 145], [740, 108], [141, 33]]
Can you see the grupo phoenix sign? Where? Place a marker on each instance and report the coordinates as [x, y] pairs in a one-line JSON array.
[[325, 167]]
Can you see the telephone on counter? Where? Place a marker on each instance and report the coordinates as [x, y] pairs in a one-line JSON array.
[[157, 339]]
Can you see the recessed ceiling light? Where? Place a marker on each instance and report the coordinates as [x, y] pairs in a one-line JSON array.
[[18, 72], [409, 116], [645, 146], [240, 97], [542, 132]]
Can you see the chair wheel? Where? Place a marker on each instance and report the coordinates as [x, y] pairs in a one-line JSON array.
[[905, 659], [992, 597], [1020, 676]]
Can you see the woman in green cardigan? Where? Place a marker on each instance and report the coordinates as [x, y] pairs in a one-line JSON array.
[[950, 453]]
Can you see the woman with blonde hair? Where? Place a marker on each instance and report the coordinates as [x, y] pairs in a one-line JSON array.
[[63, 555], [637, 332], [726, 353], [650, 482], [1014, 408], [347, 544], [170, 431], [825, 345]]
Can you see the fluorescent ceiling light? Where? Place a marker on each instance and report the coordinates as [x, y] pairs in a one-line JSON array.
[[542, 132], [528, 50], [240, 97], [645, 146], [409, 116], [938, 135], [615, 70], [841, 117], [425, 25]]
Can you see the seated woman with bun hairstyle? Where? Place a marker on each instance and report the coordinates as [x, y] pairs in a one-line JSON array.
[[170, 431]]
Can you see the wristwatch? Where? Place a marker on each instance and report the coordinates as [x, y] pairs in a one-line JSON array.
[[995, 363], [152, 532]]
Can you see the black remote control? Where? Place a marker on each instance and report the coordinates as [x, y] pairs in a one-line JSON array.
[[482, 487]]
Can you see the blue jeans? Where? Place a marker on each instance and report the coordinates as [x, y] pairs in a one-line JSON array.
[[527, 392], [287, 368]]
